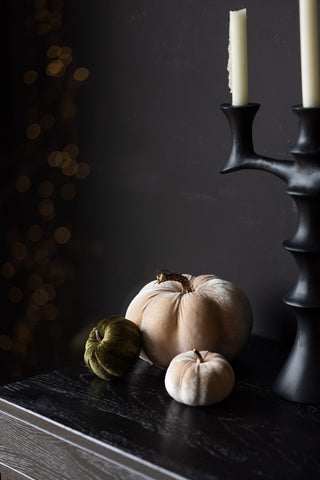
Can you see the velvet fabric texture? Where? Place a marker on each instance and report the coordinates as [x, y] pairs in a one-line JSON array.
[[113, 347], [199, 382], [211, 314]]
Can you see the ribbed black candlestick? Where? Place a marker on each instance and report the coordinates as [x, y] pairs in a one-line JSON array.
[[299, 378]]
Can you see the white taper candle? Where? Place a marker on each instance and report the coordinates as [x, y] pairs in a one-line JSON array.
[[238, 57], [309, 51]]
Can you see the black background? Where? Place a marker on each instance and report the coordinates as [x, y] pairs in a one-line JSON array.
[[149, 124]]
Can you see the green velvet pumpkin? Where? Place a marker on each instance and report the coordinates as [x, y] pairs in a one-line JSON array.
[[113, 347]]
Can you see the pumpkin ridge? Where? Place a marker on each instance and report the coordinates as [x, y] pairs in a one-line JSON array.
[[185, 367], [101, 367]]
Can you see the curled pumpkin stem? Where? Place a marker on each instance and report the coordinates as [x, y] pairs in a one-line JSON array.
[[199, 356], [97, 335], [166, 275]]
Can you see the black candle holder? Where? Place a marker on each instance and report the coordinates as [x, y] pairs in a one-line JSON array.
[[299, 378]]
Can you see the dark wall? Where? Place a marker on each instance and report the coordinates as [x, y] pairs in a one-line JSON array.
[[158, 140], [148, 124]]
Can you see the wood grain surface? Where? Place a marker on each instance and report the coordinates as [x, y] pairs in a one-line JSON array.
[[73, 425]]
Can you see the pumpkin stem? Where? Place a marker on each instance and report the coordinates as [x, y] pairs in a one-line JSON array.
[[166, 275], [199, 356], [97, 335]]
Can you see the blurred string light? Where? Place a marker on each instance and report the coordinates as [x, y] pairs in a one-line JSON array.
[[49, 166]]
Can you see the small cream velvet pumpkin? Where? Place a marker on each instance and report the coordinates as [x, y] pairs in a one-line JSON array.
[[178, 311], [199, 378]]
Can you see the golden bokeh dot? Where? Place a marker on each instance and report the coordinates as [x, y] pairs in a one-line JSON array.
[[66, 50], [72, 149], [55, 159], [35, 281], [8, 270], [23, 183], [40, 296], [55, 20], [44, 28], [66, 156], [62, 235], [22, 331], [80, 74], [19, 347], [54, 51], [69, 167], [68, 191], [19, 251], [47, 121], [45, 189], [35, 233], [33, 131], [15, 294], [83, 170], [46, 207], [54, 68], [30, 76], [68, 110], [66, 58], [5, 343], [50, 290], [42, 15], [50, 311]]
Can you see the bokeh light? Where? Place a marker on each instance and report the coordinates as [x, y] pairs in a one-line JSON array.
[[5, 343], [54, 68], [72, 149], [19, 251], [62, 235], [8, 270], [23, 183], [40, 296], [15, 294], [30, 77], [83, 170], [68, 110], [55, 159], [69, 167], [80, 74], [33, 131], [50, 290], [46, 208], [54, 51], [39, 270]]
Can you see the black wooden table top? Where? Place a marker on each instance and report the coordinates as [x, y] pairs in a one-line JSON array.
[[253, 434]]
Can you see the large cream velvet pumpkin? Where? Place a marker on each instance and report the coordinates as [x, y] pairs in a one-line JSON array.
[[176, 312]]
